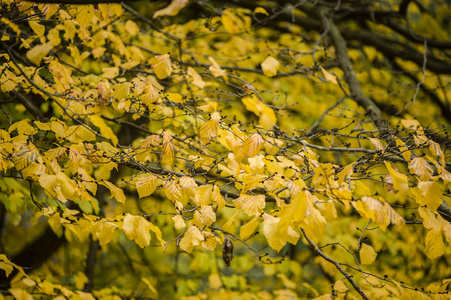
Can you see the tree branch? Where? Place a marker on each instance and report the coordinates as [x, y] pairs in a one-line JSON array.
[[349, 74], [337, 265]]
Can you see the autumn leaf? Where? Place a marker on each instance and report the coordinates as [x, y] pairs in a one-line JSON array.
[[193, 237], [267, 117], [377, 144], [434, 244], [197, 79], [399, 180], [208, 131], [367, 254], [179, 223], [278, 235], [328, 76], [172, 190], [137, 229], [229, 23], [105, 130], [251, 205], [168, 151], [249, 228], [116, 192], [216, 69], [146, 185], [172, 9], [161, 64], [431, 194], [84, 15], [38, 52], [252, 145], [270, 66]]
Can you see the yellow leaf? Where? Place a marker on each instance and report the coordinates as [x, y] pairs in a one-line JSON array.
[[346, 172], [251, 205], [34, 170], [67, 185], [5, 264], [435, 148], [395, 218], [227, 226], [367, 255], [217, 197], [25, 157], [158, 234], [399, 180], [432, 194], [151, 94], [270, 66], [189, 185], [210, 241], [105, 130], [106, 232], [377, 144], [48, 182], [294, 213], [421, 168], [172, 190], [252, 145], [116, 192], [340, 286], [110, 73], [314, 225], [370, 208], [267, 116], [434, 244], [229, 23], [137, 229], [208, 131], [205, 216], [328, 210], [404, 150], [37, 28], [197, 79], [193, 237], [150, 286], [260, 10], [216, 69], [429, 219], [168, 151], [84, 15], [38, 52], [131, 27], [179, 222], [249, 228], [161, 64], [146, 185], [172, 9], [278, 235], [55, 221], [329, 76], [204, 195]]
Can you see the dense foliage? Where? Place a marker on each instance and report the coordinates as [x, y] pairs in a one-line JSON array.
[[225, 149]]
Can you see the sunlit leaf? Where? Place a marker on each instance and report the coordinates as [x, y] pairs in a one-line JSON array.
[[434, 244], [367, 254], [172, 9], [146, 185], [251, 205], [137, 229], [168, 151], [193, 237], [161, 64], [270, 66]]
